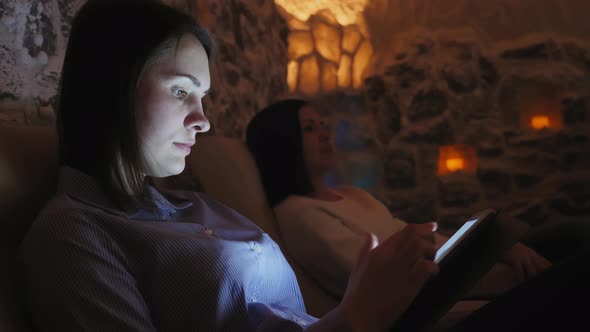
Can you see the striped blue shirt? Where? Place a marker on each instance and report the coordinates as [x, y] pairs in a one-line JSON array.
[[194, 266]]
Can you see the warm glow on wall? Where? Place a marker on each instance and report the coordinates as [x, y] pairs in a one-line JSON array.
[[456, 158], [541, 108], [363, 56], [309, 80], [345, 11], [543, 114], [540, 122], [455, 164], [344, 71], [328, 45], [292, 74]]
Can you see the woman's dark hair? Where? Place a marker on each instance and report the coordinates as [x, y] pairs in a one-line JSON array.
[[274, 138], [110, 43]]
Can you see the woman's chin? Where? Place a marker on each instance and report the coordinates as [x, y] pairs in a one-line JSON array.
[[177, 169], [171, 170]]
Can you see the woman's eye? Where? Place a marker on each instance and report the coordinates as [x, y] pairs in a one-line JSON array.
[[308, 129], [179, 93]]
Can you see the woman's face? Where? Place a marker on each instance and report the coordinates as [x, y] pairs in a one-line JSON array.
[[169, 108], [318, 153]]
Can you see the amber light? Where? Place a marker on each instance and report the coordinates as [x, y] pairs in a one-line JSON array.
[[329, 47], [456, 158], [455, 164], [540, 121], [541, 107]]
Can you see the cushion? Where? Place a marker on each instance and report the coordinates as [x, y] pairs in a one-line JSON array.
[[28, 174], [228, 173]]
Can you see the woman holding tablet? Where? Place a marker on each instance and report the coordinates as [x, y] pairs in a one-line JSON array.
[[324, 228]]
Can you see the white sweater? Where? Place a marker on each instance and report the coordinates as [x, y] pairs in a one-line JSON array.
[[325, 237]]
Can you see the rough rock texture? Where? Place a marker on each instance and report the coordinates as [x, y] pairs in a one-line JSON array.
[[246, 75], [439, 90]]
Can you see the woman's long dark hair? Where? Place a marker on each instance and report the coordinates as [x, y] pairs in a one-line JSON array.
[[274, 138], [110, 43]]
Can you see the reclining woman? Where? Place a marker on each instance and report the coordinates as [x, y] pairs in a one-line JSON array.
[[324, 228], [110, 252]]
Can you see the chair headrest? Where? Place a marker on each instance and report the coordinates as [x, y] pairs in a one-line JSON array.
[[228, 173], [28, 174]]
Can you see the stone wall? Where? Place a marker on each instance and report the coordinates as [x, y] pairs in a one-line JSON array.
[[457, 72], [246, 75], [443, 90], [491, 22], [251, 67], [33, 37]]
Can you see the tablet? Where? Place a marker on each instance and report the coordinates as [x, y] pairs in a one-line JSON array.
[[468, 229], [463, 260]]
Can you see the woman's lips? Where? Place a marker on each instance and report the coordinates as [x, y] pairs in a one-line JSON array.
[[186, 147]]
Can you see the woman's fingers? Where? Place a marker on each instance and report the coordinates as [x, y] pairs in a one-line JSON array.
[[519, 271], [538, 263], [426, 230], [423, 271], [408, 246], [389, 275], [371, 242], [542, 263], [419, 248], [409, 232], [529, 267]]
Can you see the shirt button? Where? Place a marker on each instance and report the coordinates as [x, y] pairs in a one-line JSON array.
[[255, 247]]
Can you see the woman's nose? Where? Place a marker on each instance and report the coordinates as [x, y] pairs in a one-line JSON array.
[[203, 125], [198, 121]]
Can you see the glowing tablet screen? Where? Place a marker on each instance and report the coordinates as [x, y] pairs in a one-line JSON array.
[[456, 238]]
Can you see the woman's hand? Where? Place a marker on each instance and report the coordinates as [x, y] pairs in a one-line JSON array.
[[388, 276], [525, 261]]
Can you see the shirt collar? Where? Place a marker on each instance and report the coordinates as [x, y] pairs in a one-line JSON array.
[[83, 187]]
